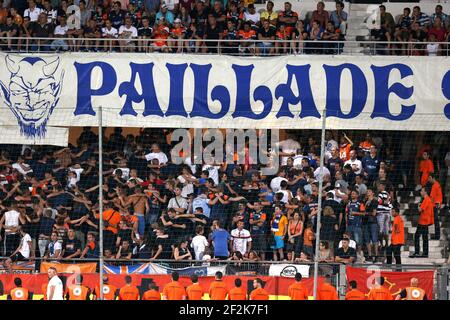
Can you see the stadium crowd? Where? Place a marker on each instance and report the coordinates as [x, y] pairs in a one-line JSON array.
[[200, 23], [415, 27], [154, 209]]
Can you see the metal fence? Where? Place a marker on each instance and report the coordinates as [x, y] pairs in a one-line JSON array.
[[234, 47]]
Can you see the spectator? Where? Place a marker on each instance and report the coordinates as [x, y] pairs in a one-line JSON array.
[[253, 17], [402, 28], [437, 30], [60, 32], [370, 225], [417, 35], [220, 238], [269, 14], [426, 219], [339, 18], [279, 226], [116, 15], [397, 239], [331, 34], [439, 14], [33, 12], [199, 243], [109, 32], [320, 15], [241, 240], [421, 18], [249, 34], [8, 30], [129, 33], [432, 48], [213, 32], [288, 17], [92, 31], [299, 34], [165, 13], [345, 254]]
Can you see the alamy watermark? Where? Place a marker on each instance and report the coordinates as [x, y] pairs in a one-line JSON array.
[[215, 147]]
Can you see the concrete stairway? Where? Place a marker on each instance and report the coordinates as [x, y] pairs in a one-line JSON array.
[[409, 202], [361, 18]]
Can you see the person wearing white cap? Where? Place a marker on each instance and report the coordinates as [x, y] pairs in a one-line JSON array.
[[165, 13], [177, 34]]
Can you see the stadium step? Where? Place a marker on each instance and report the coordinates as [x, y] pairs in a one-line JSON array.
[[422, 261]]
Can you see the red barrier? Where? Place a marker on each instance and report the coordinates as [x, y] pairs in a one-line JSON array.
[[274, 285], [395, 281]]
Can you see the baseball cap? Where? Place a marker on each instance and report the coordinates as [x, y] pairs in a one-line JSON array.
[[166, 29], [163, 6], [177, 20]]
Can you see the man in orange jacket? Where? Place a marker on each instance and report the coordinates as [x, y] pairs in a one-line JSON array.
[[397, 238], [379, 292], [174, 290], [128, 292], [426, 219], [194, 291], [297, 291], [237, 293], [326, 291], [354, 293], [436, 197], [259, 293], [152, 293], [78, 291], [218, 289], [19, 292]]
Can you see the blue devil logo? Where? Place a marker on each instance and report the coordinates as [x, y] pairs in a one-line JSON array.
[[33, 92]]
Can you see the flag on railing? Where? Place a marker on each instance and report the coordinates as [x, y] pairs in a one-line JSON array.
[[155, 268]]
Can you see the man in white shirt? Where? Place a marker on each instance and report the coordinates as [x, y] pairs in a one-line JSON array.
[[55, 285], [289, 148], [178, 203], [213, 172], [109, 32], [32, 11], [252, 16], [128, 32], [24, 251], [199, 243], [275, 184], [354, 162], [60, 32], [241, 239], [21, 166], [10, 222], [157, 154]]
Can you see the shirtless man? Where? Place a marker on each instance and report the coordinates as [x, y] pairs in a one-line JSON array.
[[139, 201]]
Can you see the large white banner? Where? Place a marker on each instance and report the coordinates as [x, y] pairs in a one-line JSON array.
[[202, 91]]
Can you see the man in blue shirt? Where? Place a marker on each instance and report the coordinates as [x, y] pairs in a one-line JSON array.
[[220, 238], [339, 17], [355, 211], [371, 165]]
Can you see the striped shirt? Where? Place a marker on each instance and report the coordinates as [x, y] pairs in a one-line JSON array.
[[423, 20], [384, 203]]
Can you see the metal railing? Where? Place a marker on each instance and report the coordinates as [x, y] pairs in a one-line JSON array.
[[237, 47]]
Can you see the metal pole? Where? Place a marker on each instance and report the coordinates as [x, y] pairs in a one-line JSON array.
[[100, 194], [319, 204]]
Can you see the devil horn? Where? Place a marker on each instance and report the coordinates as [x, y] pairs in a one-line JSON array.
[[50, 68], [11, 64]]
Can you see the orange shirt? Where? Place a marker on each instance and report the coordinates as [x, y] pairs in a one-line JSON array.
[[129, 293], [355, 294], [380, 293], [174, 291], [425, 167], [427, 215], [327, 292], [398, 231], [112, 217], [436, 193], [194, 292], [218, 290], [259, 294], [162, 40], [247, 34], [177, 31], [344, 151], [297, 291], [77, 292], [151, 295], [109, 292], [308, 236], [19, 294], [237, 294]]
